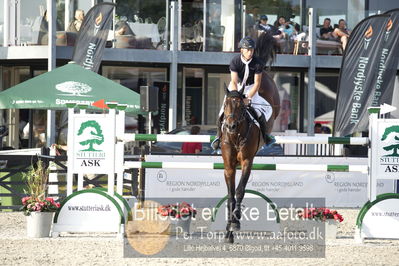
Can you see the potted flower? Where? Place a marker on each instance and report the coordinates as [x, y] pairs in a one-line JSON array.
[[330, 217], [38, 208], [180, 216]]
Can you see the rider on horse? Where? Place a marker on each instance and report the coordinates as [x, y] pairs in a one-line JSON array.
[[246, 72]]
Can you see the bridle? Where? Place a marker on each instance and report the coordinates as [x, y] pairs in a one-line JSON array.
[[243, 111], [240, 141], [242, 115]]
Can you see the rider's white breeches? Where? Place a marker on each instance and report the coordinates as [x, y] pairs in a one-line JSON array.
[[258, 103]]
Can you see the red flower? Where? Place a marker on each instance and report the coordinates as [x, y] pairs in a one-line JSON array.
[[321, 214], [177, 210], [24, 200]]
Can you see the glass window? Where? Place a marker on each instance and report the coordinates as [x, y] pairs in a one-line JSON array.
[[215, 95], [73, 17], [288, 87], [325, 96], [282, 18], [381, 6], [192, 23], [141, 24], [193, 96], [1, 21], [33, 23], [220, 30], [133, 78]]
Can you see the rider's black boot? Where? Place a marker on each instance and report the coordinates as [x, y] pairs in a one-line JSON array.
[[216, 142], [269, 139]]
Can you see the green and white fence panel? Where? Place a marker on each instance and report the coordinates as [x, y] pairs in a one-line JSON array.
[[279, 139], [256, 166]]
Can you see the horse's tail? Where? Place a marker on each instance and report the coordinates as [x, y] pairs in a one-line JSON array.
[[266, 46]]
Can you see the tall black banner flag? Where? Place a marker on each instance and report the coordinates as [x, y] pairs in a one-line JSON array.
[[92, 36], [358, 75], [388, 61]]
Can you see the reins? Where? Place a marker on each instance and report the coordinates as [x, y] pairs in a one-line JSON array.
[[244, 116]]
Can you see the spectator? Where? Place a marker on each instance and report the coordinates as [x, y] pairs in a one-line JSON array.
[[325, 130], [75, 25], [251, 17], [284, 26], [43, 28], [192, 147], [317, 128], [341, 33], [123, 28], [327, 30], [263, 26]]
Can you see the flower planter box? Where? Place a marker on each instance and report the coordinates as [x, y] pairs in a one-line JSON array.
[[38, 224], [179, 226], [331, 229]]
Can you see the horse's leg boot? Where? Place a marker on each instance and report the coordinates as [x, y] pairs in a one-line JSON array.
[[269, 139], [216, 142]]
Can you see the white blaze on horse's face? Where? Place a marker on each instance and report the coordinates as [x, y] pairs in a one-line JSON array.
[[233, 112]]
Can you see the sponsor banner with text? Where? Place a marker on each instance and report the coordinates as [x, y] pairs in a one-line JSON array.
[[341, 189], [92, 144], [358, 75], [388, 150], [92, 36]]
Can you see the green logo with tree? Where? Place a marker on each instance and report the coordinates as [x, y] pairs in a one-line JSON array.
[[395, 146], [92, 133]]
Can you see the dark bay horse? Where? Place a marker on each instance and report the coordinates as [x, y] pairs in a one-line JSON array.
[[241, 140]]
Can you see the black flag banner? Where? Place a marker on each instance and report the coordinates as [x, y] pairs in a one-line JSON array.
[[358, 75], [92, 36], [388, 61]]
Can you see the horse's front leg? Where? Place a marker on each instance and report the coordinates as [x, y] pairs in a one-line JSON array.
[[229, 176], [240, 192]]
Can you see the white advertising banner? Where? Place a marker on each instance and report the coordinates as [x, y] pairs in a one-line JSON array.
[[387, 152], [89, 212], [93, 143], [382, 220], [340, 189]]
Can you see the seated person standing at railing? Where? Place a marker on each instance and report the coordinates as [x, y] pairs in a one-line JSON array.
[[263, 26], [192, 147]]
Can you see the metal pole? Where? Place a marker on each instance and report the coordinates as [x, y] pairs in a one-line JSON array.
[[311, 76], [174, 23], [113, 25], [67, 14], [204, 25], [6, 25], [52, 17]]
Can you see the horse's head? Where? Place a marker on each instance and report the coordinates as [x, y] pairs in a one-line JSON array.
[[234, 110]]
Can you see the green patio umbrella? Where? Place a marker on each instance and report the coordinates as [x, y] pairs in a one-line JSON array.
[[68, 84]]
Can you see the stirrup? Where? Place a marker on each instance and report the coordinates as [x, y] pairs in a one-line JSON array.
[[269, 140], [215, 144]]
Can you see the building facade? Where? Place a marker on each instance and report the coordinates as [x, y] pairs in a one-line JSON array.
[[184, 47]]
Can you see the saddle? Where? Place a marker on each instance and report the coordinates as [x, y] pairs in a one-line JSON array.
[[252, 114]]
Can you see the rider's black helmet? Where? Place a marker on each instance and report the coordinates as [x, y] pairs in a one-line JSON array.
[[247, 43]]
